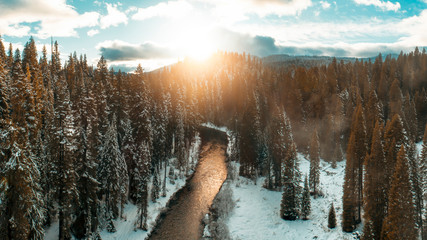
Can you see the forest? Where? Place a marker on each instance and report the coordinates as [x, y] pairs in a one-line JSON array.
[[79, 142]]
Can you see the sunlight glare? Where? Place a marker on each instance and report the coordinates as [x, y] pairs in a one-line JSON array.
[[196, 40]]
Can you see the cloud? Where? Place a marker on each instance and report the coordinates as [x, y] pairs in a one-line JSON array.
[[239, 9], [113, 18], [414, 30], [384, 5], [122, 51], [325, 5], [55, 18], [171, 9], [266, 45], [92, 32]]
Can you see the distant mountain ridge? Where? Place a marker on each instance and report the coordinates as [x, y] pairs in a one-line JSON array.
[[285, 60]]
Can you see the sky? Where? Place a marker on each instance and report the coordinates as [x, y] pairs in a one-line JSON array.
[[158, 33]]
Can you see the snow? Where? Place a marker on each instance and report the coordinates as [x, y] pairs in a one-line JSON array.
[[213, 126], [256, 215], [419, 147], [125, 227]]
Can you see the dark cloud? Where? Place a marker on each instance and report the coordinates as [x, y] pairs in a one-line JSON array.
[[256, 45], [121, 51], [263, 46]]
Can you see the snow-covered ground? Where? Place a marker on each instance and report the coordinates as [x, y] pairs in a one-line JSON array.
[[126, 227], [256, 215]]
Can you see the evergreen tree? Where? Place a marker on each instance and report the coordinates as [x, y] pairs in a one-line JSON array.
[[112, 174], [289, 203], [349, 197], [86, 223], [66, 190], [142, 176], [314, 163], [423, 182], [400, 222], [353, 180], [155, 188], [305, 203], [23, 202], [276, 136], [375, 187], [332, 221]]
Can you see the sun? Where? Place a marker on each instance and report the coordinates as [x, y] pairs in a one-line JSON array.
[[196, 40]]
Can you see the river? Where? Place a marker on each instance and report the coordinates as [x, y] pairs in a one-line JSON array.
[[185, 214]]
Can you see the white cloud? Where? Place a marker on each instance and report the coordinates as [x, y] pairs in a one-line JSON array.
[[325, 5], [92, 32], [56, 18], [414, 30], [113, 18], [238, 9], [171, 9], [384, 5]]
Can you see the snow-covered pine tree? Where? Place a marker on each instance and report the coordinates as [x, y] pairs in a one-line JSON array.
[[139, 114], [155, 188], [48, 132], [314, 155], [21, 99], [400, 222], [4, 104], [66, 190], [22, 203], [276, 144], [290, 205], [166, 120], [306, 201], [180, 136], [423, 181], [142, 177], [86, 223], [112, 175], [332, 221]]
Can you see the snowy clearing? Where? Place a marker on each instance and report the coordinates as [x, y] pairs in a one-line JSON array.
[[256, 215]]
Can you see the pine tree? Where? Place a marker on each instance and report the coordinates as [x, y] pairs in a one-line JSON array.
[[289, 204], [112, 174], [375, 187], [306, 203], [22, 203], [155, 189], [86, 223], [400, 222], [349, 197], [22, 101], [65, 158], [276, 139], [139, 114], [142, 176], [4, 104], [423, 181], [353, 180], [180, 136], [332, 221], [314, 163]]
